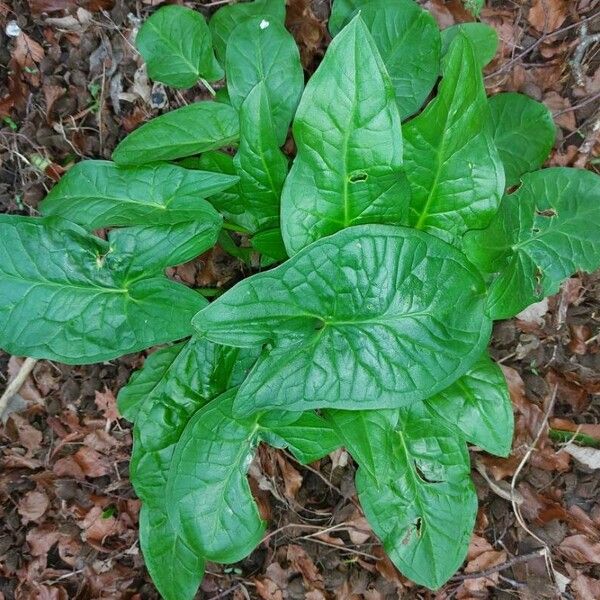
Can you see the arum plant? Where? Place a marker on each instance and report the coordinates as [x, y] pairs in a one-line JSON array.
[[413, 214]]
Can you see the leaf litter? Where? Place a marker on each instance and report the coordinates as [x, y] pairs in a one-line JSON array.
[[71, 84]]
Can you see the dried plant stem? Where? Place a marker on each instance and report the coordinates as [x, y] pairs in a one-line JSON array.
[[585, 41], [15, 385]]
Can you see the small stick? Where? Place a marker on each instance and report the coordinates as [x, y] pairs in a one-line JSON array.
[[515, 560], [585, 42], [15, 385]]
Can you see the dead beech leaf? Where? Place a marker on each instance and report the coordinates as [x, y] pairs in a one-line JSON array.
[[27, 52], [548, 15], [41, 539], [590, 457], [579, 549], [304, 565], [27, 436], [92, 463], [107, 404], [33, 505], [267, 589], [556, 103], [583, 587], [292, 480]]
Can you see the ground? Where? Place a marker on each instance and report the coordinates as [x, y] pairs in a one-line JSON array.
[[71, 86]]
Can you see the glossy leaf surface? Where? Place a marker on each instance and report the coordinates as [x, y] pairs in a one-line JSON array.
[[545, 231], [483, 38], [176, 45], [176, 570], [261, 51], [524, 133], [98, 193], [341, 13], [260, 164], [363, 318], [408, 40], [347, 131], [208, 493], [478, 405], [453, 167], [152, 248], [189, 130], [420, 501], [72, 304], [309, 438], [227, 18]]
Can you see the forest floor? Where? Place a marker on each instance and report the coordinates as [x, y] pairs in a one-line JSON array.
[[71, 86]]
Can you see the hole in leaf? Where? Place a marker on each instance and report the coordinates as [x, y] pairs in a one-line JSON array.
[[358, 176], [548, 212], [535, 230], [415, 528]]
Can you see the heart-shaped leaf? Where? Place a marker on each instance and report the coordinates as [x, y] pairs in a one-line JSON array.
[[177, 47], [68, 298], [347, 131], [227, 18], [545, 231], [478, 405], [454, 170], [408, 40], [98, 193], [261, 51], [365, 318], [483, 38], [524, 133]]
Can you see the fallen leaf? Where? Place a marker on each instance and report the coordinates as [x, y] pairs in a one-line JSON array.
[[579, 549], [27, 52], [557, 104], [548, 15], [33, 506], [107, 404], [590, 457], [267, 589]]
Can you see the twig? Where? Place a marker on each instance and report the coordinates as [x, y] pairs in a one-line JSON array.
[[507, 65], [513, 486], [577, 106], [15, 385], [585, 41], [515, 560]]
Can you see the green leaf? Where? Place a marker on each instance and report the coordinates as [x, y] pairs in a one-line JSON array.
[[186, 380], [137, 250], [176, 570], [348, 169], [98, 193], [420, 502], [262, 51], [524, 133], [63, 300], [176, 45], [408, 40], [208, 492], [545, 231], [270, 244], [144, 381], [227, 18], [367, 434], [341, 13], [261, 166], [183, 132], [309, 438], [483, 38], [365, 318], [453, 167], [478, 405]]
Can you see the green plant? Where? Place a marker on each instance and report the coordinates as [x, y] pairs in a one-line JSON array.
[[401, 239]]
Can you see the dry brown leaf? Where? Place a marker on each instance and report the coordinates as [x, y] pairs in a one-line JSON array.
[[579, 549], [583, 587], [267, 589], [548, 15], [27, 52], [33, 505], [41, 539], [304, 565], [292, 480], [92, 463], [592, 430], [556, 103], [27, 436], [107, 404]]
